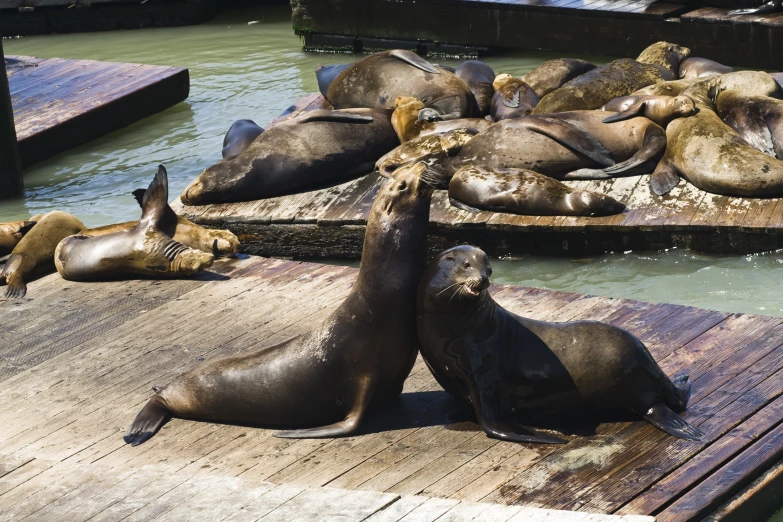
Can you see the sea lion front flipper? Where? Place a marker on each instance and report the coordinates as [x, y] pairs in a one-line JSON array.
[[138, 194], [571, 137], [17, 288], [634, 110], [415, 60], [148, 422], [663, 418], [25, 228], [326, 74], [664, 178], [653, 147], [168, 222], [155, 202], [334, 116], [462, 206]]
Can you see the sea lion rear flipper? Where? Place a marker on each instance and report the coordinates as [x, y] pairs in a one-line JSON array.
[[415, 60], [17, 288], [168, 222], [334, 116], [148, 422], [571, 138], [512, 102], [636, 109], [664, 178], [25, 228], [462, 206], [511, 431], [653, 146], [139, 195], [154, 204], [660, 416]]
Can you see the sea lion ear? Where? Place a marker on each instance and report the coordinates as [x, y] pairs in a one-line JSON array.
[[665, 177], [636, 109], [155, 200], [415, 60]]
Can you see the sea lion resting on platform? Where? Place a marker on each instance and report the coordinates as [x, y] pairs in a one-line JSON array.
[[409, 120], [695, 67], [512, 370], [11, 233], [660, 109], [479, 77], [520, 191], [325, 381], [553, 74], [142, 250], [758, 119], [313, 150], [181, 230], [239, 137], [34, 254], [670, 88], [659, 62], [513, 98], [377, 80]]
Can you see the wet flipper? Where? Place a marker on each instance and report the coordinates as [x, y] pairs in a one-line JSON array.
[[16, 288], [570, 137], [415, 60], [663, 418], [138, 194], [462, 206], [517, 433], [148, 422], [665, 177], [154, 204], [512, 102], [334, 116], [326, 74], [636, 109], [169, 219]]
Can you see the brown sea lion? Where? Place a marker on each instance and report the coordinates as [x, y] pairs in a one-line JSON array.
[[377, 80], [323, 382], [513, 98], [409, 121], [553, 74], [313, 150], [33, 256], [511, 371], [239, 137], [695, 67], [143, 250], [591, 90], [671, 88], [479, 77], [758, 119], [11, 233], [660, 109], [521, 191]]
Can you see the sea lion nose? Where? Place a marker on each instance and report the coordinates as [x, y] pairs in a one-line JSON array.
[[484, 281]]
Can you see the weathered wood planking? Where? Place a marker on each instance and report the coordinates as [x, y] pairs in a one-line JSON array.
[[59, 103], [77, 362]]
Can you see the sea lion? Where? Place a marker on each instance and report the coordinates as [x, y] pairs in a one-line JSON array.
[[660, 109], [378, 79], [11, 233], [758, 119], [239, 136], [143, 250], [479, 77], [511, 370], [325, 75], [34, 254], [181, 230], [513, 98], [521, 191], [657, 63], [409, 120], [553, 74], [670, 88], [313, 150], [695, 67], [750, 83], [769, 7], [326, 380], [778, 77]]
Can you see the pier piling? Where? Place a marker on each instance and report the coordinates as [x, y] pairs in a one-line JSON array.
[[11, 184]]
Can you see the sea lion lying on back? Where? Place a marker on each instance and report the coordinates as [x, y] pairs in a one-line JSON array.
[[34, 254], [11, 233], [143, 250], [313, 150], [323, 383], [409, 120], [513, 98], [511, 371]]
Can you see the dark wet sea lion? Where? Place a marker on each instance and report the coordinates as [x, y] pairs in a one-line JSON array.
[[323, 382], [34, 254], [377, 80], [409, 121], [513, 98], [758, 119], [591, 90], [660, 109], [553, 74], [143, 250], [695, 67], [326, 74], [479, 77], [511, 370], [520, 191], [316, 149], [11, 233], [239, 137]]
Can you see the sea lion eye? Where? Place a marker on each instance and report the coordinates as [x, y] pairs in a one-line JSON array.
[[466, 264], [403, 185]]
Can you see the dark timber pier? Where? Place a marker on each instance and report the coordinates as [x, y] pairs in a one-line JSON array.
[[609, 27], [60, 103], [77, 361]]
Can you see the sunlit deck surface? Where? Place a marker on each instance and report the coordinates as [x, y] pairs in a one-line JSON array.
[[60, 103], [330, 222], [78, 360]]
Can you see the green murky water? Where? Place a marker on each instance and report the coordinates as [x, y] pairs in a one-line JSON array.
[[249, 64]]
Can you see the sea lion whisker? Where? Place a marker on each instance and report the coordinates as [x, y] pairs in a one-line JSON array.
[[450, 286]]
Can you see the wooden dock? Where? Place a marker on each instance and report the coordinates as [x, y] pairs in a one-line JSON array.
[[77, 361], [609, 27], [59, 103]]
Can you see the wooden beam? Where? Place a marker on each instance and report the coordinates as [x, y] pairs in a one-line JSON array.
[[11, 184]]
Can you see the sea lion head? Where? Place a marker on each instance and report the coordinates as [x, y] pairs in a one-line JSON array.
[[406, 189], [665, 55], [683, 106], [501, 80], [457, 277]]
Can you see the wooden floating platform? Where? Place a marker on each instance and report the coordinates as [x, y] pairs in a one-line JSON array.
[[59, 103], [610, 27], [331, 222], [77, 362]]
